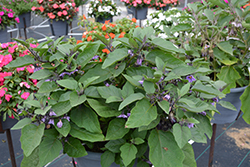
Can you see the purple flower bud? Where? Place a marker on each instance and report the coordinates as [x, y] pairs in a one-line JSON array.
[[107, 84], [190, 125], [154, 68], [203, 113], [128, 114], [190, 78], [43, 119], [213, 103], [52, 113], [130, 52], [95, 57], [59, 124], [215, 99], [167, 96], [67, 117]]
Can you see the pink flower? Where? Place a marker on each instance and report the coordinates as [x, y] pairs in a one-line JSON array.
[[4, 45], [34, 81], [62, 6], [1, 101], [11, 50], [25, 95], [20, 69], [25, 84], [17, 20], [73, 4], [59, 13], [19, 92], [2, 91], [33, 8], [55, 6], [2, 13], [65, 12], [30, 68], [226, 1], [10, 15], [7, 97], [33, 45]]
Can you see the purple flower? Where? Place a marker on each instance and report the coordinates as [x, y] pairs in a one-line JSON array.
[[167, 97], [122, 116], [43, 119], [52, 113], [51, 121], [203, 113], [190, 78], [130, 52], [95, 57], [59, 124], [141, 82], [213, 103], [128, 114], [139, 61], [215, 99], [67, 117], [190, 125], [107, 84]]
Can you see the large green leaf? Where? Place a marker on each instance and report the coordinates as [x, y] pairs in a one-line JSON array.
[[86, 118], [61, 108], [88, 81], [65, 129], [209, 14], [189, 156], [96, 71], [34, 103], [74, 148], [116, 129], [130, 99], [114, 145], [184, 70], [245, 104], [132, 71], [103, 109], [107, 92], [207, 89], [107, 158], [47, 87], [87, 54], [32, 160], [76, 100], [49, 149], [166, 45], [20, 124], [164, 104], [204, 126], [127, 90], [163, 150], [225, 58], [31, 137], [227, 105], [152, 125], [181, 134], [228, 74], [21, 61], [149, 87], [142, 114], [41, 74], [68, 83], [181, 27], [226, 47], [114, 57], [128, 153], [170, 60], [85, 135]]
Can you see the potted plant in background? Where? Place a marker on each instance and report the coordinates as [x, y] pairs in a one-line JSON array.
[[164, 4], [15, 83], [119, 27], [139, 105], [61, 14], [139, 8], [103, 10], [22, 8], [7, 18], [80, 2]]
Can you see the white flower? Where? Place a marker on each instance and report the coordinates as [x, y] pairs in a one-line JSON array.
[[112, 13], [157, 25], [162, 35], [168, 19], [161, 27], [176, 34], [154, 20]]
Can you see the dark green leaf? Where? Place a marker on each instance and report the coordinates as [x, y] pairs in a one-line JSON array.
[[21, 61], [128, 153], [115, 56], [74, 148], [116, 129], [47, 87], [107, 158]]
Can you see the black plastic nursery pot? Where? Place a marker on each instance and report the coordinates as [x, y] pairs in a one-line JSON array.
[[93, 159], [102, 20], [227, 115], [7, 124], [141, 13], [24, 20], [59, 28], [3, 35]]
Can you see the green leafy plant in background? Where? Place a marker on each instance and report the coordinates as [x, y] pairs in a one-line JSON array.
[[19, 6]]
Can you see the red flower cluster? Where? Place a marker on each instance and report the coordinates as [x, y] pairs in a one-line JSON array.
[[59, 10]]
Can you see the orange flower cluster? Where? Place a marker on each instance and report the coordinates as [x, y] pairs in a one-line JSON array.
[[246, 5]]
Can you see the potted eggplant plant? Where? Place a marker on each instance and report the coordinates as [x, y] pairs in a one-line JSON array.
[[137, 105]]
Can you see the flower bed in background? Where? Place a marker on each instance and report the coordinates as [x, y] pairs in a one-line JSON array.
[[108, 30], [7, 17], [15, 84]]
